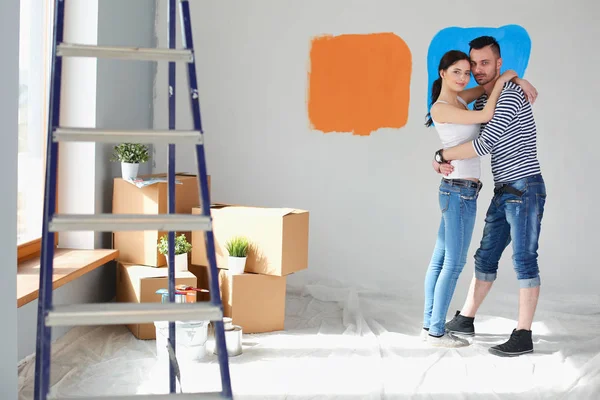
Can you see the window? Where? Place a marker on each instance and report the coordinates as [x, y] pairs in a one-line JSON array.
[[34, 48]]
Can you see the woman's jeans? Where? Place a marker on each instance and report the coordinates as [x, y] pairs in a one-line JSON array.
[[458, 203]]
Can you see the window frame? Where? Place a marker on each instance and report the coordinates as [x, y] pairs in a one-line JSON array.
[[33, 248]]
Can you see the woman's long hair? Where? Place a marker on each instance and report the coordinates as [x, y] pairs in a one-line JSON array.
[[448, 59]]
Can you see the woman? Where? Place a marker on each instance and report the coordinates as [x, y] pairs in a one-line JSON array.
[[458, 191]]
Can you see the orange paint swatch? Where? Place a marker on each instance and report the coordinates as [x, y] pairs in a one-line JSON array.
[[359, 83]]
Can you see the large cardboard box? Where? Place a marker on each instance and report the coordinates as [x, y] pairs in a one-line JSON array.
[[139, 247], [278, 238], [138, 284], [254, 302]]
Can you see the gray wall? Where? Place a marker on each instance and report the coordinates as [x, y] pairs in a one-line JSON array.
[[373, 200], [9, 82], [124, 100], [94, 287]]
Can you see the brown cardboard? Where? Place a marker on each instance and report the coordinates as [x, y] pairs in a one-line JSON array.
[[278, 238], [254, 302], [201, 273], [139, 247], [138, 284]]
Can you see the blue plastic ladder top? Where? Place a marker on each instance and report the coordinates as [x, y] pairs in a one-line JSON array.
[[45, 303]]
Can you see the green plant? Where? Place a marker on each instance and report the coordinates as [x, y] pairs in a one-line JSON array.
[[237, 246], [182, 246], [134, 153]]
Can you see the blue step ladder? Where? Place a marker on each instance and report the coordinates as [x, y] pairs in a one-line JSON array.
[[126, 313]]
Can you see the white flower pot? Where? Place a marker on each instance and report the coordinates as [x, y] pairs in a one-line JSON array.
[[236, 265], [129, 170], [181, 262]]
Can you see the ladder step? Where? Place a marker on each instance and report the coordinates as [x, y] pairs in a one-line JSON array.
[[129, 222], [124, 53], [131, 313], [127, 136], [171, 396]]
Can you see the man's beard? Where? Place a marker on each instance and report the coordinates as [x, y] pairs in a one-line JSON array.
[[484, 80]]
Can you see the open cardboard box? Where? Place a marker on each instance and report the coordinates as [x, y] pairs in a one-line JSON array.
[[278, 238], [138, 284]]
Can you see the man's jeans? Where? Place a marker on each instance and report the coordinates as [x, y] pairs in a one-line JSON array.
[[459, 207], [515, 213]]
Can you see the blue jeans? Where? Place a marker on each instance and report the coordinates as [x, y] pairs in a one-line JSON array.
[[459, 207], [515, 213]]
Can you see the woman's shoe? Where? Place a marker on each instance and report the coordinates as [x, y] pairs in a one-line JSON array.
[[447, 340]]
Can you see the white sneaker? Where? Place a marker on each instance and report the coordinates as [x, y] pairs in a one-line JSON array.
[[448, 340], [424, 335]]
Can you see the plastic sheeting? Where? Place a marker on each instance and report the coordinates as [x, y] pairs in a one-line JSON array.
[[343, 344]]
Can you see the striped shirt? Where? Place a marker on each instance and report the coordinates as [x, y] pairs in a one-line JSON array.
[[510, 136]]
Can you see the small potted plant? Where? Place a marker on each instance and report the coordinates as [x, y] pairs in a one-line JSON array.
[[130, 155], [237, 247], [182, 248]]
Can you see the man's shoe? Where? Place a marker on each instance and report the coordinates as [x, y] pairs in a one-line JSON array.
[[519, 343], [461, 325]]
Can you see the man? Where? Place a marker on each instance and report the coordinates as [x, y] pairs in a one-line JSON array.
[[517, 207]]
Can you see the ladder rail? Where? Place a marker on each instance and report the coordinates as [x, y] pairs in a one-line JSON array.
[[122, 53], [47, 315], [171, 39], [215, 295], [43, 339], [63, 134]]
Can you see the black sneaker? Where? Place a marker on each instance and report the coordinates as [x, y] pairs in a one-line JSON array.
[[461, 325], [519, 343]]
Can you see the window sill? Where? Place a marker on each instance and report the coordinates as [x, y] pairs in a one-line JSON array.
[[69, 264]]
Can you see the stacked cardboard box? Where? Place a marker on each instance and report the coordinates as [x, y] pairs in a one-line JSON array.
[[278, 238], [138, 284], [141, 247], [140, 271], [255, 299]]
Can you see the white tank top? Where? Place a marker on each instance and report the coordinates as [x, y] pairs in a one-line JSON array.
[[454, 134]]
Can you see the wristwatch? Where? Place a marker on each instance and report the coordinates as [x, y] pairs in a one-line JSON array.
[[439, 158]]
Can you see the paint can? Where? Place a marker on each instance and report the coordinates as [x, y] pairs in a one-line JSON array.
[[233, 340]]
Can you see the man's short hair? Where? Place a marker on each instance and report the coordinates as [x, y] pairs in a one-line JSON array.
[[482, 41]]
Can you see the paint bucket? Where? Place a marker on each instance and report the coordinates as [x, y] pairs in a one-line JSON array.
[[233, 340], [181, 296], [190, 339]]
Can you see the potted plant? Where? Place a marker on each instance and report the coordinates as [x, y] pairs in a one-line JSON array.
[[182, 248], [237, 247], [130, 155]]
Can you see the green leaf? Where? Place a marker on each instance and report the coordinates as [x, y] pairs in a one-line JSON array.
[[134, 153], [237, 246], [182, 246]]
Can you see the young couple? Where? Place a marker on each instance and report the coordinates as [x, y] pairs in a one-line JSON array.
[[501, 124]]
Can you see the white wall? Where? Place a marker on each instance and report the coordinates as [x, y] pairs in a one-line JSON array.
[[373, 200], [124, 89], [117, 95], [9, 82], [94, 287]]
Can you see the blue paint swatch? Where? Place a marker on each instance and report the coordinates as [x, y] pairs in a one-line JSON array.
[[515, 49]]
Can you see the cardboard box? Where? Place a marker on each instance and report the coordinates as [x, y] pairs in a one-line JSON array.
[[278, 238], [254, 302], [138, 284], [139, 247]]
